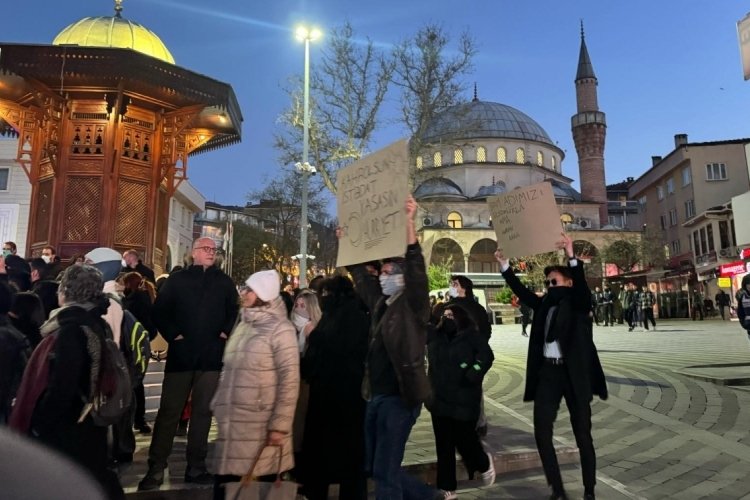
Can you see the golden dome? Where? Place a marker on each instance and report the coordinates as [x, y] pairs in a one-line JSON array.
[[114, 32]]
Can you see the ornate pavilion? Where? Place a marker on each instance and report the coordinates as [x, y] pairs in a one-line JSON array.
[[106, 123]]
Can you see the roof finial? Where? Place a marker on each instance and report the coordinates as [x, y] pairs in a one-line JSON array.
[[118, 8], [582, 34], [475, 93]]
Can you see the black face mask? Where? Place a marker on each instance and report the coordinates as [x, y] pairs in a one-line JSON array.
[[448, 326], [557, 293]]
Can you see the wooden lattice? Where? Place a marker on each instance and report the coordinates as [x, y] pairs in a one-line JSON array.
[[132, 213], [83, 201], [42, 216]]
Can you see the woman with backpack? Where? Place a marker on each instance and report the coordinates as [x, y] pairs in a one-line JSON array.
[[61, 417]]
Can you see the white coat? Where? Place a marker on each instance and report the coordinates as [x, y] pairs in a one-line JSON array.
[[257, 392]]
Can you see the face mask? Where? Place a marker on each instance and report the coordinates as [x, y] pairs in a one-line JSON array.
[[448, 326], [391, 283], [300, 322], [453, 292], [124, 264], [6, 253], [47, 259]]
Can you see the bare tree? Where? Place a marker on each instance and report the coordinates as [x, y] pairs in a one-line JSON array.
[[430, 80], [347, 89]]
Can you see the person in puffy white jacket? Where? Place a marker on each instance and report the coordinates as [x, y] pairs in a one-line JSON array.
[[254, 404]]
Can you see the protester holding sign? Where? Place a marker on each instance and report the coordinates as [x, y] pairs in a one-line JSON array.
[[562, 362], [395, 383]]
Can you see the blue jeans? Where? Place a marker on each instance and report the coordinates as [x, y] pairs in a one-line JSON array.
[[388, 422]]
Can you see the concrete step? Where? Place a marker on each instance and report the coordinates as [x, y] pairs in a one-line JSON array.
[[152, 402], [153, 389], [153, 378], [156, 366]]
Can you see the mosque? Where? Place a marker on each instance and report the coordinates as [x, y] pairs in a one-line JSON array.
[[478, 149]]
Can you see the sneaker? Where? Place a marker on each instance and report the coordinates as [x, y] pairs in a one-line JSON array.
[[151, 481], [446, 495], [488, 477]]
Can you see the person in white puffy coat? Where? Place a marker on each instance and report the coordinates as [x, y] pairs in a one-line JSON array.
[[257, 394]]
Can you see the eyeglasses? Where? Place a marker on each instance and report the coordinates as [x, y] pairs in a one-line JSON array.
[[549, 283], [206, 249]]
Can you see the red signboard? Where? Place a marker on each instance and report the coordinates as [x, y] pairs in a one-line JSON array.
[[745, 253], [737, 267]]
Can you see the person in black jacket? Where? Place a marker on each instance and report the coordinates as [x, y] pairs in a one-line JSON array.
[[27, 315], [14, 353], [132, 263], [562, 362], [459, 357], [462, 293], [333, 365], [195, 312]]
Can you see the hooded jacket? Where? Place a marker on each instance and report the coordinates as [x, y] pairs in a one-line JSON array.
[[257, 392]]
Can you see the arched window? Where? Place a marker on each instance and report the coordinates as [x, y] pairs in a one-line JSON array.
[[539, 159], [419, 161], [455, 221], [554, 163], [458, 156], [520, 156], [501, 157], [437, 159], [481, 154]]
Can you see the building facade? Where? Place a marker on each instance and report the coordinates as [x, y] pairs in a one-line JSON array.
[[15, 196]]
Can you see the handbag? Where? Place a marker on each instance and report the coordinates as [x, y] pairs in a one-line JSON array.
[[249, 489]]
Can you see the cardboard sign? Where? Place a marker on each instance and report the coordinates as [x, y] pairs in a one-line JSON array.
[[526, 220], [371, 195], [724, 282]]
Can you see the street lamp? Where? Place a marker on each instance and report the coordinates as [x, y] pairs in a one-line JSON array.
[[306, 35]]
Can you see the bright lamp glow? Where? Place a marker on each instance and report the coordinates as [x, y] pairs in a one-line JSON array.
[[303, 33]]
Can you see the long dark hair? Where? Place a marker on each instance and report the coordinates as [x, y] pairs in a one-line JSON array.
[[461, 317]]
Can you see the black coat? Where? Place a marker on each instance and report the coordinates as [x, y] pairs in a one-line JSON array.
[[333, 365], [574, 333], [141, 269], [200, 305], [46, 290], [139, 304], [457, 368], [14, 353]]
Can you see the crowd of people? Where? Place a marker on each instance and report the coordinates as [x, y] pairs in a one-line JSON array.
[[320, 385]]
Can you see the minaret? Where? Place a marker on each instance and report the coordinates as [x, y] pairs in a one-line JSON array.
[[589, 129]]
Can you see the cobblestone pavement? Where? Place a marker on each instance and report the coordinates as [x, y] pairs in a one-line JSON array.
[[668, 430]]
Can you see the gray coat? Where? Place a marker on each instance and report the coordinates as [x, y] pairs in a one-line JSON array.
[[257, 392]]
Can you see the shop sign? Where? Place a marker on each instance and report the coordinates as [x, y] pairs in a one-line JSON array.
[[724, 282], [737, 267], [745, 254]]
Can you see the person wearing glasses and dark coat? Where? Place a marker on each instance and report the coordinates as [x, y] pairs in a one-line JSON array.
[[195, 312], [562, 362]]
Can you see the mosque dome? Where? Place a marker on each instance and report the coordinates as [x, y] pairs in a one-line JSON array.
[[483, 120], [114, 32], [439, 187], [564, 192], [491, 190]]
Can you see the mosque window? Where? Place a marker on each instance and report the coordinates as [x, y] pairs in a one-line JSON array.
[[437, 159], [520, 156], [458, 156], [539, 159], [481, 154], [501, 156], [455, 220], [419, 161], [554, 163]]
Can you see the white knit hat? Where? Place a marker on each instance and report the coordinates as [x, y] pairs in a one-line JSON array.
[[265, 284]]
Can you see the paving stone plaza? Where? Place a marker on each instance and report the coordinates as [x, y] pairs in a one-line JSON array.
[[673, 426]]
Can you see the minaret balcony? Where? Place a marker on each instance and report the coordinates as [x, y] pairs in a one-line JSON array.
[[588, 117]]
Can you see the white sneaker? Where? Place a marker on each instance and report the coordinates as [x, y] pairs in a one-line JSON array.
[[448, 495], [488, 476]]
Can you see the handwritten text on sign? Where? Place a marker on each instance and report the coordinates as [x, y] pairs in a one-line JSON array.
[[526, 220], [371, 197]]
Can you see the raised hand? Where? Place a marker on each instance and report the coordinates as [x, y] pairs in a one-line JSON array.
[[566, 243], [504, 263]]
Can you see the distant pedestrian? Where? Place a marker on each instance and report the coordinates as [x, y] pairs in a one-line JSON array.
[[697, 304], [606, 301], [562, 362], [526, 316], [131, 261], [27, 315], [723, 301], [646, 303], [595, 298]]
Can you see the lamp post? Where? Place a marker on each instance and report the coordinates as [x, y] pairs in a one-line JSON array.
[[306, 35]]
